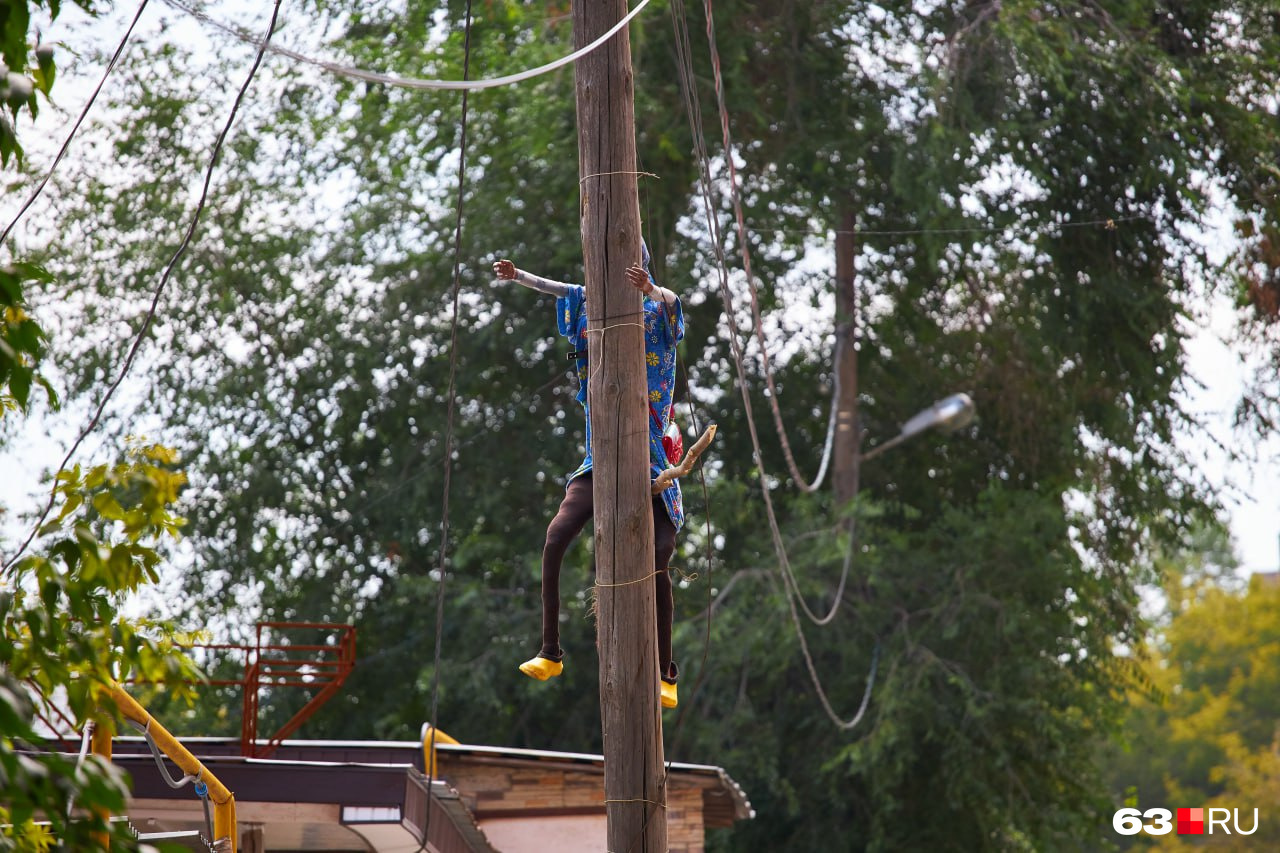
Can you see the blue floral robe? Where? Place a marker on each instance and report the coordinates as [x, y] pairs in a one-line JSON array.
[[663, 329]]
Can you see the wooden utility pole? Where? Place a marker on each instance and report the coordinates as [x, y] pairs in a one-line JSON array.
[[847, 448], [631, 720]]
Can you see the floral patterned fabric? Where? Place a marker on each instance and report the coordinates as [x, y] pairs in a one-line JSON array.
[[663, 330]]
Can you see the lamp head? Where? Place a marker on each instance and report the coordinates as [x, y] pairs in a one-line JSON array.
[[948, 414]]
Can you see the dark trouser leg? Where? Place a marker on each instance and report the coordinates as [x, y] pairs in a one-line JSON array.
[[575, 511], [664, 545]]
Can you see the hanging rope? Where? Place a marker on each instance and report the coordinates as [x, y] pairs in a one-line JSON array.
[[449, 417], [159, 291], [758, 324], [693, 108], [713, 225], [790, 584]]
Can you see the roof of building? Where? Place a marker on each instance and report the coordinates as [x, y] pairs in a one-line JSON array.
[[314, 805], [375, 789]]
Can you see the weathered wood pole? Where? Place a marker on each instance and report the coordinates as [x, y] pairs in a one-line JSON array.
[[847, 448], [617, 395]]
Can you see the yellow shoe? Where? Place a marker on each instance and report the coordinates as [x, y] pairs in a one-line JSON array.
[[541, 668], [668, 694]]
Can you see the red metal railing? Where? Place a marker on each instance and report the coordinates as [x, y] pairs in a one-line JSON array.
[[274, 662]]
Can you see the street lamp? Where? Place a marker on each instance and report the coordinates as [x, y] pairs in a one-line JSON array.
[[948, 414]]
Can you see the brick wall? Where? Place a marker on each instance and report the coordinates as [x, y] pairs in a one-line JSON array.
[[494, 788]]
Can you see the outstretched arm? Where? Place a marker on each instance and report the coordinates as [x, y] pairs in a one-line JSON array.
[[506, 271], [639, 279]]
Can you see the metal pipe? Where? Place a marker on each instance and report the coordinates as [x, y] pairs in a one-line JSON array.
[[224, 802]]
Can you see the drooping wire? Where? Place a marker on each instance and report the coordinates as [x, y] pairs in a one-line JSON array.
[[449, 417], [745, 250], [790, 584], [709, 556], [685, 64], [413, 82], [796, 597], [75, 127], [159, 291], [1108, 223]]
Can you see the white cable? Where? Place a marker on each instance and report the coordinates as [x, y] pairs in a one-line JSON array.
[[85, 740], [411, 82], [830, 440]]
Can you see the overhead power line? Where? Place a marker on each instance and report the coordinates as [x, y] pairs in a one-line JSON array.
[[159, 291], [66, 143], [791, 586], [396, 80]]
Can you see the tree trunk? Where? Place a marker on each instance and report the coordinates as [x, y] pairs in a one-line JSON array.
[[618, 399]]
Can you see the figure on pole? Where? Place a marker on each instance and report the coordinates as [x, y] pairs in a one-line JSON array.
[[663, 330]]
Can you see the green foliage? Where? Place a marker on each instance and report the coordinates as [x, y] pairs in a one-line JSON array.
[[39, 786], [22, 341], [980, 151], [61, 634], [25, 68], [63, 638], [1201, 729]]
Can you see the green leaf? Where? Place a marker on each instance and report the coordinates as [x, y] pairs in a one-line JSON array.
[[30, 271], [20, 385], [44, 75], [108, 507]]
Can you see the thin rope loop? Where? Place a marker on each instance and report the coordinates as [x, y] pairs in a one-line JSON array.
[[663, 806], [653, 574], [607, 174], [687, 577], [449, 416], [604, 329]]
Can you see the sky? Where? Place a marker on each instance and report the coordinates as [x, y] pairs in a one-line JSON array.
[[1248, 486], [1251, 487]]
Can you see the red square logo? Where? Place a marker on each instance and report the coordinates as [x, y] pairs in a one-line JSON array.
[[1190, 822]]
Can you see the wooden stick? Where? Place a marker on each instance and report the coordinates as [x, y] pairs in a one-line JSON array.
[[666, 477]]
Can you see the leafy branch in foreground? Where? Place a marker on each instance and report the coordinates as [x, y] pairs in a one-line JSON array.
[[65, 640]]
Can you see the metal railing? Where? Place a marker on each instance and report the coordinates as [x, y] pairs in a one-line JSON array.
[[159, 738]]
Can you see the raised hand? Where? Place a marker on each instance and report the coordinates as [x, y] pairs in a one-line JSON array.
[[505, 270], [638, 278]]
